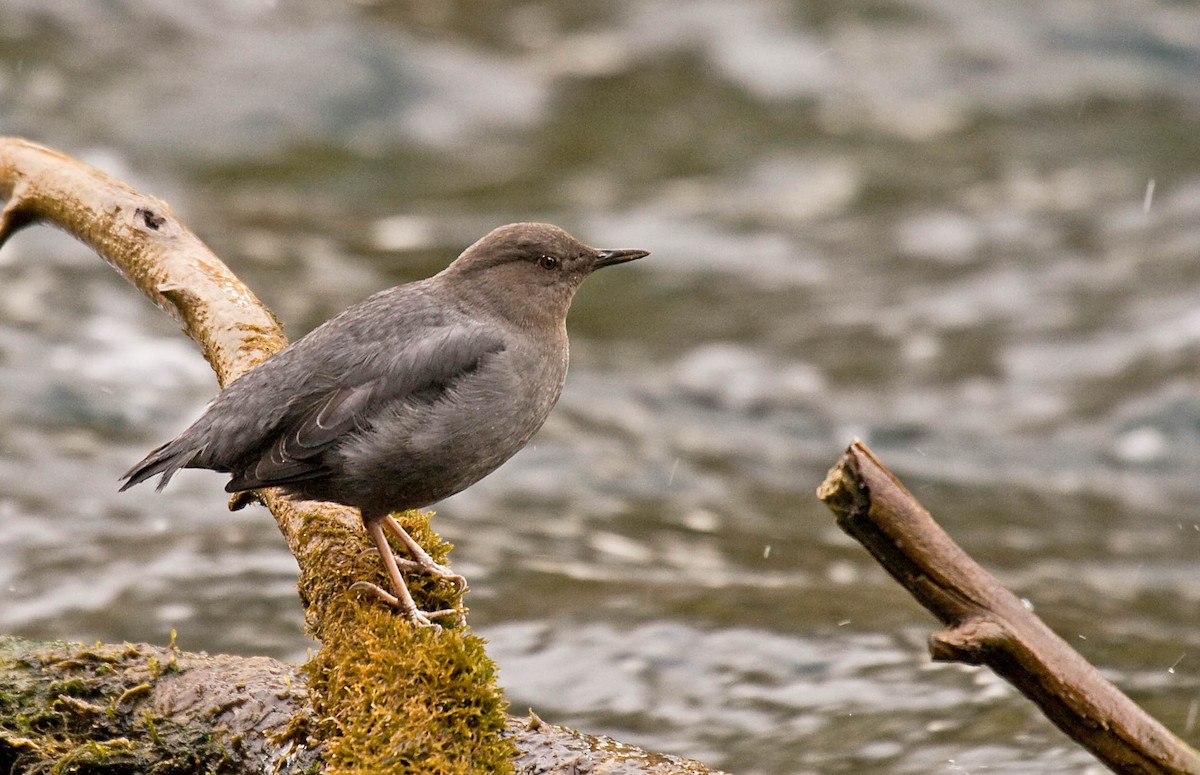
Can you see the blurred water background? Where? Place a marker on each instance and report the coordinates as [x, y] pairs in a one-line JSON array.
[[967, 232]]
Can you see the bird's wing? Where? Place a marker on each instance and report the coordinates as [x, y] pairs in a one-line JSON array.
[[422, 370], [296, 452], [273, 425]]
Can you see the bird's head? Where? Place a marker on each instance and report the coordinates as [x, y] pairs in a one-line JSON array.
[[529, 270]]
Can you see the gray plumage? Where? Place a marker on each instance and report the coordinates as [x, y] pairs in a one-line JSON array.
[[408, 396]]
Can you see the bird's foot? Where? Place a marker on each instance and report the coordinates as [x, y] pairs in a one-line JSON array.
[[403, 563], [418, 553], [415, 615], [429, 568], [437, 570]]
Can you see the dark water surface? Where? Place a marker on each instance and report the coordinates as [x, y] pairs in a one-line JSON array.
[[966, 232]]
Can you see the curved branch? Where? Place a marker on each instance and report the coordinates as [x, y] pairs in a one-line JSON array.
[[988, 625], [143, 239]]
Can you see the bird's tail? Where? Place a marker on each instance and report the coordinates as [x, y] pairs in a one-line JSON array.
[[165, 460]]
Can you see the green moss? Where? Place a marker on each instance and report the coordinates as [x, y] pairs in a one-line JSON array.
[[389, 697], [63, 710], [395, 698]]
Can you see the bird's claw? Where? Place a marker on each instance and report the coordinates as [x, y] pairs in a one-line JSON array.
[[415, 615], [445, 574]]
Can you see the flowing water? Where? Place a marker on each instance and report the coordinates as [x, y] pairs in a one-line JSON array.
[[966, 232]]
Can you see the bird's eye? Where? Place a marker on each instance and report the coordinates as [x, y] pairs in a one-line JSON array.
[[548, 262]]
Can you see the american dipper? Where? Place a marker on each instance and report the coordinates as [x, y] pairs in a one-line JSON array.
[[405, 398]]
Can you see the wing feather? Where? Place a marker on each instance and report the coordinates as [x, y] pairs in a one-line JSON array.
[[299, 449], [279, 423]]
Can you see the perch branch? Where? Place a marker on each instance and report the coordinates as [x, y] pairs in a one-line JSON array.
[[988, 625], [142, 238]]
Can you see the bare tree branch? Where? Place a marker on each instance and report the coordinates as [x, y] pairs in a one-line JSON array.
[[988, 625]]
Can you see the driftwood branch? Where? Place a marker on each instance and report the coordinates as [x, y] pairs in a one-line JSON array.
[[381, 696], [988, 625]]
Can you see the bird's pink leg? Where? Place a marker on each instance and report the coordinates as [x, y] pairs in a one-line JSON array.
[[421, 557], [403, 598]]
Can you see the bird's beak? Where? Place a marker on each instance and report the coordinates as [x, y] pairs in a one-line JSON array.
[[610, 257]]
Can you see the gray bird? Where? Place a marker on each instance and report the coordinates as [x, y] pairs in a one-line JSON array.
[[405, 398]]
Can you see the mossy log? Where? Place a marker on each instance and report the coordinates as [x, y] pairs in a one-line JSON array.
[[381, 696], [153, 710], [137, 708]]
